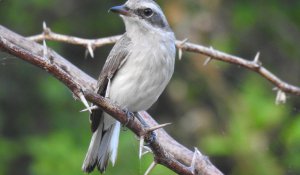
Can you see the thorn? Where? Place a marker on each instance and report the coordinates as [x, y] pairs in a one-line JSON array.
[[84, 101], [46, 30], [184, 41], [256, 60], [192, 167], [158, 127], [151, 167], [90, 108], [180, 54], [212, 49], [44, 26], [196, 153], [45, 54], [142, 139], [86, 53], [280, 98], [90, 49], [180, 48], [148, 150], [207, 61]]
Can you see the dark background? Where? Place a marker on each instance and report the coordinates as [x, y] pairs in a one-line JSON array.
[[228, 112]]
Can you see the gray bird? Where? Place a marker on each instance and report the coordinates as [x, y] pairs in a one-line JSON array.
[[134, 75]]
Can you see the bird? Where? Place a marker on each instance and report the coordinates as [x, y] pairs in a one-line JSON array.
[[134, 75]]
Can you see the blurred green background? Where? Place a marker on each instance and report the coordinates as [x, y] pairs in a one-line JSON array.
[[228, 112]]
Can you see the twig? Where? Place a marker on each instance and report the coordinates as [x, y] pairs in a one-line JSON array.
[[166, 150], [252, 65], [183, 46], [52, 36]]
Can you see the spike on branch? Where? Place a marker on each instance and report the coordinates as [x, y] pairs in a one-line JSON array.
[[280, 98], [90, 108], [209, 59], [180, 48], [142, 139], [151, 167], [84, 101], [90, 49], [45, 50], [257, 61], [157, 127]]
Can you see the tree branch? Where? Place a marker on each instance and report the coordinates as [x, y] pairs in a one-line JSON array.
[[166, 150], [255, 65]]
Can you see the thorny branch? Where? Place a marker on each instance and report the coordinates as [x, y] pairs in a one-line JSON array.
[[166, 150], [81, 84], [255, 65]]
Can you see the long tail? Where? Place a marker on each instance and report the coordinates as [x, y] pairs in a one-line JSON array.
[[103, 145]]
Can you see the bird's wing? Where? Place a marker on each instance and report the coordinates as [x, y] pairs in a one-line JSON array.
[[115, 60]]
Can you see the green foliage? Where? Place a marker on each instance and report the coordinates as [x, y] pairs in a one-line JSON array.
[[59, 152], [8, 152], [253, 119], [63, 152], [245, 15]]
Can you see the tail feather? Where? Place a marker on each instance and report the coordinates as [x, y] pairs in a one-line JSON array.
[[109, 147], [114, 142], [103, 145], [91, 160]]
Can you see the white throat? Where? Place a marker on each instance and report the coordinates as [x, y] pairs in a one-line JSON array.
[[138, 32]]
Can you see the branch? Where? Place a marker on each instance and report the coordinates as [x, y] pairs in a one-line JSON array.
[[166, 150], [255, 65]]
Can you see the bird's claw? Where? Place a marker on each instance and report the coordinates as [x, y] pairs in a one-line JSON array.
[[130, 116], [150, 137]]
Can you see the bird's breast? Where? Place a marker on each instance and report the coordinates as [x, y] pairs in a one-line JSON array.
[[144, 76]]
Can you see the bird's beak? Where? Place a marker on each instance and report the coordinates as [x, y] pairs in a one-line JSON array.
[[122, 10]]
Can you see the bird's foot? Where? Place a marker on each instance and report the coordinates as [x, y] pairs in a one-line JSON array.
[[130, 116], [150, 137]]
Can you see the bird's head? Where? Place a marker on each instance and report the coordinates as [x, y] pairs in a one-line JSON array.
[[143, 15]]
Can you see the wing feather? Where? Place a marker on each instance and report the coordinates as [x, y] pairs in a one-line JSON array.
[[113, 63]]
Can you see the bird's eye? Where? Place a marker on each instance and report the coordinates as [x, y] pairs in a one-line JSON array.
[[148, 12]]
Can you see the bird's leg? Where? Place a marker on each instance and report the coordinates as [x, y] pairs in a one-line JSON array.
[[150, 137], [130, 116], [140, 118]]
